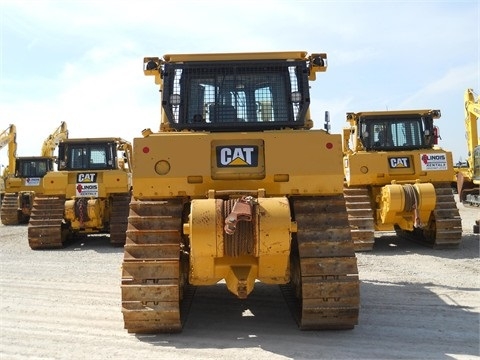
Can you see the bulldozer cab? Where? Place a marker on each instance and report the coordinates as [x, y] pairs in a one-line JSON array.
[[243, 95], [229, 98], [394, 131], [33, 167], [98, 154]]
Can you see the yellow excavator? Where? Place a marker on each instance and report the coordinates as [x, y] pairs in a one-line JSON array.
[[399, 179], [468, 178], [25, 179], [237, 187], [8, 137]]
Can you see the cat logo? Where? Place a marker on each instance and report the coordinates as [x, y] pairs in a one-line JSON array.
[[86, 177], [399, 162], [237, 156]]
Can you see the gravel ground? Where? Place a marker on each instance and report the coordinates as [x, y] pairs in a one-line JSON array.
[[416, 303]]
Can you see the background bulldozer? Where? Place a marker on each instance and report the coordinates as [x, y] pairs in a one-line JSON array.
[[237, 187], [398, 178], [24, 176], [89, 194]]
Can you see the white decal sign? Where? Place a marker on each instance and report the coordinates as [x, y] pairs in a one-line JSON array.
[[434, 162], [86, 190], [32, 181]]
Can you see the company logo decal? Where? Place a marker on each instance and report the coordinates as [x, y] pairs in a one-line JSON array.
[[434, 162], [86, 185], [32, 181], [399, 162], [86, 177], [86, 190], [237, 156]]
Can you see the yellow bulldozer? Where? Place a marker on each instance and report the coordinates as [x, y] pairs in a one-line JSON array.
[[397, 178], [25, 177], [89, 194], [237, 187]]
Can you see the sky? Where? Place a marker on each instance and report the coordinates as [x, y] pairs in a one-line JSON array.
[[82, 61]]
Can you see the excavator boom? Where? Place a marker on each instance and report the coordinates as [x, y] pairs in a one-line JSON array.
[[472, 112], [52, 141], [8, 137]]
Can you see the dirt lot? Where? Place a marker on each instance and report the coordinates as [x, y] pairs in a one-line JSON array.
[[416, 303]]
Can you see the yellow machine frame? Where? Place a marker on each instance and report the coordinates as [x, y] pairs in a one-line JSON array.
[[400, 182], [224, 191]]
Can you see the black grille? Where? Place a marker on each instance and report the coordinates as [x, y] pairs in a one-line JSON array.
[[238, 95]]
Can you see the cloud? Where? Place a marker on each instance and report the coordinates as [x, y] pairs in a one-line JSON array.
[[453, 78], [81, 61]]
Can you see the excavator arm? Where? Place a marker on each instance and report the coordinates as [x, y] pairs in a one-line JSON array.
[[52, 141], [126, 147], [472, 112], [9, 137]]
